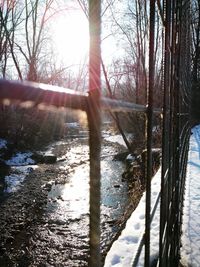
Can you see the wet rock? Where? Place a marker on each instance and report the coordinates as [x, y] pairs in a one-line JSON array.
[[3, 165], [15, 232], [111, 222], [50, 159], [48, 186], [10, 239], [130, 159], [7, 151], [2, 250], [61, 159], [131, 172], [156, 155], [47, 159], [73, 165], [121, 156], [75, 220], [38, 158], [136, 165], [56, 222]]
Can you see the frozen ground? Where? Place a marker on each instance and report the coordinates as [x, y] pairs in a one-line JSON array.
[[190, 252], [19, 164], [3, 143], [123, 250], [117, 138]]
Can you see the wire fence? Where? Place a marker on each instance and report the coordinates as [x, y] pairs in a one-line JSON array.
[[174, 17], [176, 127]]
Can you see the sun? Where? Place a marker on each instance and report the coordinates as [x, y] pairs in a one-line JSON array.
[[71, 37]]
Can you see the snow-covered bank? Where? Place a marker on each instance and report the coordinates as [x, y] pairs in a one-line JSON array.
[[117, 138], [20, 159], [19, 168], [15, 179], [123, 250], [3, 143], [190, 251]]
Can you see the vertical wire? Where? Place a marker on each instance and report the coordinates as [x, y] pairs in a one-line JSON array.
[[165, 137], [172, 133], [94, 123], [181, 157], [149, 133], [162, 172], [177, 143]]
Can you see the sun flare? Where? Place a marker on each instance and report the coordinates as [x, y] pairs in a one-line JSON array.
[[71, 37]]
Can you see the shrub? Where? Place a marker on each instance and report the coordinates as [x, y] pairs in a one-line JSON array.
[[30, 128]]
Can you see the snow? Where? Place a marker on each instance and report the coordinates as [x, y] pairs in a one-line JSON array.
[[123, 250], [190, 251], [125, 247], [13, 182], [20, 159], [15, 179], [130, 158], [72, 124], [19, 170], [3, 143], [118, 139]]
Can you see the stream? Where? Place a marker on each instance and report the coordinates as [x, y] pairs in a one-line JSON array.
[[58, 214]]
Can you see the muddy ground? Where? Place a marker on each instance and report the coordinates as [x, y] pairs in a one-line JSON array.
[[20, 216], [29, 237]]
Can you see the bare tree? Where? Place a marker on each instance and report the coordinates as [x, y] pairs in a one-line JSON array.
[[4, 46], [22, 35], [10, 19], [36, 14], [128, 77]]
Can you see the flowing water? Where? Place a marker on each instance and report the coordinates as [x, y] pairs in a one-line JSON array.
[[60, 238], [69, 202]]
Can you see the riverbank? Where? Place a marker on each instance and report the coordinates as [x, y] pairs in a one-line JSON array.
[[42, 225]]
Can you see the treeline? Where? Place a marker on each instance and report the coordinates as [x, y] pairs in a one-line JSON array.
[[30, 128], [26, 53]]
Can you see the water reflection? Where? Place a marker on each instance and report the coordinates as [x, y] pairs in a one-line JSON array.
[[71, 200], [114, 193]]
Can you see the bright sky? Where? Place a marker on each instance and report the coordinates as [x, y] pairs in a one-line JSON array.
[[71, 37]]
